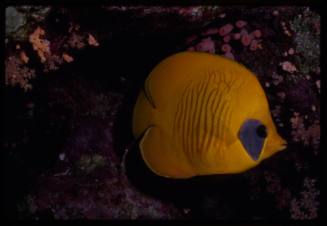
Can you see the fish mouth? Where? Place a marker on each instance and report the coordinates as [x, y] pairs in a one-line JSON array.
[[283, 146]]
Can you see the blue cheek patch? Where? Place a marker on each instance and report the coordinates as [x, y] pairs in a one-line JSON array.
[[251, 141]]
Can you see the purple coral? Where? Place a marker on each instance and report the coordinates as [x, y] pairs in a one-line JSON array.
[[306, 205], [246, 39], [206, 45], [240, 23], [226, 29], [226, 48]]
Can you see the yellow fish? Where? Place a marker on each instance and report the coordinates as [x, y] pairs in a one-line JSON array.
[[203, 114]]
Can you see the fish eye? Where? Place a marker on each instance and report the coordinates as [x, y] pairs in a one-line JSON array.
[[261, 131], [252, 135]]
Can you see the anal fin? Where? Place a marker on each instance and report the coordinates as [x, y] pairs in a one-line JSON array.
[[162, 159]]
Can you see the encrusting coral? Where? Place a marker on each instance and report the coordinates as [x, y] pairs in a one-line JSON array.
[[40, 45], [17, 73]]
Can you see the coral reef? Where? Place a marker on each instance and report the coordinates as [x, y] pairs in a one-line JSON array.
[[81, 77], [21, 19], [241, 33], [88, 181], [40, 45], [306, 29], [14, 20], [306, 206], [17, 73]]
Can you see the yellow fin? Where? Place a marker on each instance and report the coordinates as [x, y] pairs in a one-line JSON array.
[[148, 95], [159, 157], [142, 115]]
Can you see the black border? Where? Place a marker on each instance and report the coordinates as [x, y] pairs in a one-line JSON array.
[[316, 3]]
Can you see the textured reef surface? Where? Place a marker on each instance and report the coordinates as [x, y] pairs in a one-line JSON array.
[[71, 79]]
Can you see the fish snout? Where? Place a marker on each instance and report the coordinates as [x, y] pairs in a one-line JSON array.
[[275, 144], [279, 143], [283, 146]]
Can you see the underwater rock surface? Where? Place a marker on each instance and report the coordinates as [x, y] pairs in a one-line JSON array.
[[72, 76]]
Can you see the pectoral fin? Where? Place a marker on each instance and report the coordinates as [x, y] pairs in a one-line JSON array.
[[162, 159], [148, 95], [142, 115]]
